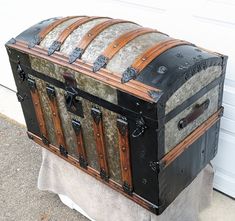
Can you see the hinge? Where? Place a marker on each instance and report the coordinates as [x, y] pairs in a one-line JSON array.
[[127, 188], [99, 63], [63, 151], [55, 46], [96, 114], [50, 92], [104, 175], [76, 54], [31, 84], [122, 125], [129, 74]]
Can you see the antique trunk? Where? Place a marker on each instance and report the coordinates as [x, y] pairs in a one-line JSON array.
[[131, 106]]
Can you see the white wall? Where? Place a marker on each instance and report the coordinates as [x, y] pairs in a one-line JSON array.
[[208, 23]]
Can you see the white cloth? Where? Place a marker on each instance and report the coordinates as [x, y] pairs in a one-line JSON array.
[[102, 203]]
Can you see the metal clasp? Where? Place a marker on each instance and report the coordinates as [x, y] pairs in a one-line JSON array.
[[140, 128]]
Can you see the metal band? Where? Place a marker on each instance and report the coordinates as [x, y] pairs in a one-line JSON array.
[[183, 145], [145, 58], [80, 144], [124, 151], [119, 43], [56, 120], [38, 110], [66, 32], [91, 35], [100, 143]]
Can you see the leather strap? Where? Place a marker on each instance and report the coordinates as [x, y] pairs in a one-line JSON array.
[[55, 46], [145, 58], [119, 43], [90, 36]]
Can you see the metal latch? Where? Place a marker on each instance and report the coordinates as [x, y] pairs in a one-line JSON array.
[[140, 127]]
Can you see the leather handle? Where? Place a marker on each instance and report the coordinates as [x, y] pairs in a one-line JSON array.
[[197, 112]]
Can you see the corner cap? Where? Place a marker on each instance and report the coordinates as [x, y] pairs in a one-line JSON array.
[[155, 95]]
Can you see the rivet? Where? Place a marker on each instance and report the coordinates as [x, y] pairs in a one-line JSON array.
[[54, 114], [58, 132], [89, 34], [101, 156], [97, 134], [143, 58], [40, 124], [115, 46], [125, 168], [123, 148]]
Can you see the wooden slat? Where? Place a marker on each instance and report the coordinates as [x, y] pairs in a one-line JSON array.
[[56, 120], [124, 150], [100, 142], [190, 139], [38, 110], [146, 57], [80, 144]]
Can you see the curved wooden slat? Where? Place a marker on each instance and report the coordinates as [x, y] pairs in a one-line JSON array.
[[90, 36], [117, 44], [42, 34], [146, 57]]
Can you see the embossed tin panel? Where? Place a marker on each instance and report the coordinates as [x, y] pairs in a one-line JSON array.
[[98, 45], [192, 86], [84, 82], [54, 34], [173, 135]]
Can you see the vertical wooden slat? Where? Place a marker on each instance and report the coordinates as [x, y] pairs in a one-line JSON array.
[[100, 143], [56, 120], [80, 144], [124, 150], [38, 110]]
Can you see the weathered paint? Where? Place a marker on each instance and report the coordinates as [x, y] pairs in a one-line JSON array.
[[192, 86], [173, 135], [84, 82], [107, 36], [126, 56]]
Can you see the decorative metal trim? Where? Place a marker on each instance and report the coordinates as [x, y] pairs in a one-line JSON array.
[[140, 128], [50, 92], [11, 41], [122, 125], [96, 114], [82, 162], [63, 151], [76, 126], [76, 54], [99, 63], [104, 175], [36, 41], [127, 188], [155, 95], [129, 74], [32, 84], [20, 98], [55, 46]]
